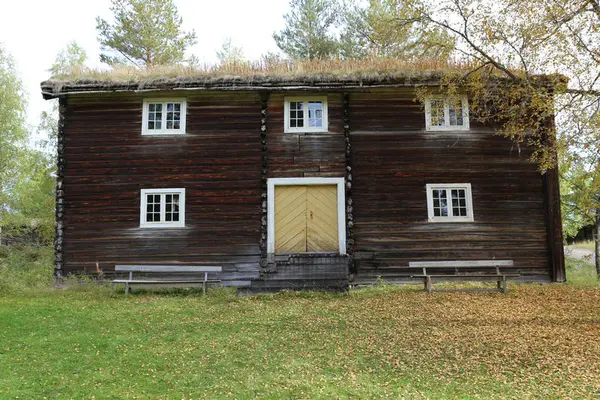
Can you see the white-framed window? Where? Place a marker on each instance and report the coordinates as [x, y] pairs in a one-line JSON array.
[[447, 114], [306, 114], [162, 208], [449, 202], [164, 117]]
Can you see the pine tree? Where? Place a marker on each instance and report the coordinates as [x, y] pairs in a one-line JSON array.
[[308, 32], [145, 33]]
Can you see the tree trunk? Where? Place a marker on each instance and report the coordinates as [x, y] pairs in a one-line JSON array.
[[597, 240]]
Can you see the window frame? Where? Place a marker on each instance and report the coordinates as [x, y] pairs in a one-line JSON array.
[[430, 187], [447, 127], [164, 131], [305, 128], [163, 192]]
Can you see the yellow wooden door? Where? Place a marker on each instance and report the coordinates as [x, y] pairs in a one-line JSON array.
[[306, 219], [321, 219], [290, 219]]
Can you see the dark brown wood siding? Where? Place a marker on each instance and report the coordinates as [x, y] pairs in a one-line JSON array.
[[393, 158], [217, 161], [305, 154]]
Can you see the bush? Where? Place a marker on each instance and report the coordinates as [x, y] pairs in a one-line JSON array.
[[25, 267]]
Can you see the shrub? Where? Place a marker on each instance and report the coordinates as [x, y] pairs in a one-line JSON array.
[[25, 267]]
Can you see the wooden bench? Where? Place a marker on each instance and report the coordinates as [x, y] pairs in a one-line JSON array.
[[463, 270], [167, 269]]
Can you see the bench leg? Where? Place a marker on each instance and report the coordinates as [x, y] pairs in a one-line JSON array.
[[126, 288], [428, 284], [504, 285], [204, 288]]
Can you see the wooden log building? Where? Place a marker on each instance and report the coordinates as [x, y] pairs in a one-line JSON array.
[[310, 181]]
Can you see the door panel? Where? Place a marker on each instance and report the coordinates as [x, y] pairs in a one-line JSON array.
[[290, 219], [306, 219], [322, 219]]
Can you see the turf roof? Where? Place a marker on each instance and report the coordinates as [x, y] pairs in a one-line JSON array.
[[256, 76]]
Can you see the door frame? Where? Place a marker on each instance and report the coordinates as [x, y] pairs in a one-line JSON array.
[[341, 206]]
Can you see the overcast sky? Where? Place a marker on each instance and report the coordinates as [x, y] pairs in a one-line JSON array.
[[34, 31]]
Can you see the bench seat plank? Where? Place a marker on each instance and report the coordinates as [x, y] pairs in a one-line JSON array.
[[166, 282], [468, 276], [167, 268], [461, 264]]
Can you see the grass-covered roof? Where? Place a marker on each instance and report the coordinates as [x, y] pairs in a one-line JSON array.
[[256, 76]]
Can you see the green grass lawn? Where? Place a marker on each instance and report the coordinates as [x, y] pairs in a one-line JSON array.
[[538, 341], [585, 245]]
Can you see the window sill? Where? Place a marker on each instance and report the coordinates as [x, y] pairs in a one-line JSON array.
[[306, 131], [161, 226], [449, 129], [450, 220], [163, 134]]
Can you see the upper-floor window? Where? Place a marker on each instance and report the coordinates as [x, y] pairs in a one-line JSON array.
[[306, 114], [162, 208], [164, 117], [449, 202], [447, 114]]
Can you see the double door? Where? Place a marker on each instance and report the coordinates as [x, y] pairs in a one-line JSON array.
[[306, 219]]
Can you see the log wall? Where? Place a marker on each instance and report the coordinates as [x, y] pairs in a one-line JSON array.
[[393, 158], [236, 140], [108, 161], [293, 155]]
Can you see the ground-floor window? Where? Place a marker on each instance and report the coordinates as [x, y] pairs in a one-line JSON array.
[[162, 208], [449, 202]]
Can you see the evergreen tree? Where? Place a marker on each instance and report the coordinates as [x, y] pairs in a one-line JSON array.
[[308, 33], [145, 33]]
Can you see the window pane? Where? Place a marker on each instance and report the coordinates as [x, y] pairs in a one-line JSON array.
[[437, 113], [315, 114], [296, 116], [456, 113], [153, 208], [171, 207], [459, 203], [173, 115], [440, 203], [154, 116]]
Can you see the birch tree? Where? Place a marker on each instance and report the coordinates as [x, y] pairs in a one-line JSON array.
[[516, 41], [373, 30], [13, 134]]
